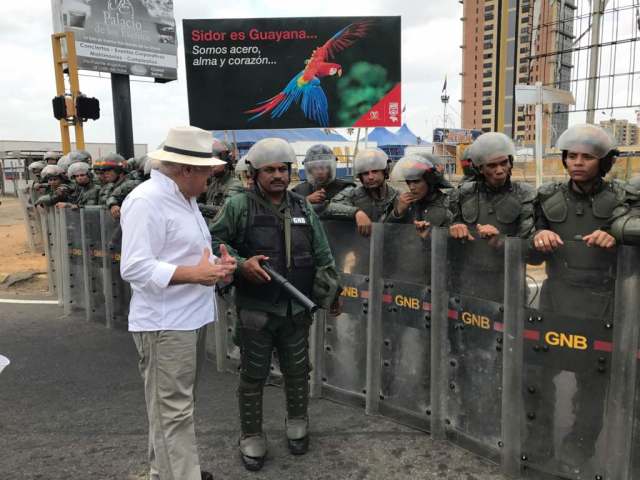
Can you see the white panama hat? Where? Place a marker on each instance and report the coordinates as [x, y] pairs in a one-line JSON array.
[[188, 146]]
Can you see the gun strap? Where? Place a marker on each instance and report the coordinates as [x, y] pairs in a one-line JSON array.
[[285, 217]]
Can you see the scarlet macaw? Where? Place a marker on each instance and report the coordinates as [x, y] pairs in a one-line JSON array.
[[306, 84]]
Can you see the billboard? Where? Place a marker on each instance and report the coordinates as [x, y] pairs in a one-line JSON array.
[[136, 37], [455, 135], [293, 72]]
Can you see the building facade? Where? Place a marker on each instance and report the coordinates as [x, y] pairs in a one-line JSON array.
[[510, 42], [625, 133]]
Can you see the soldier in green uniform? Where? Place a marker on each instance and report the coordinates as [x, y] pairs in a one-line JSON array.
[[321, 186], [37, 187], [487, 207], [581, 281], [469, 172], [133, 178], [51, 157], [85, 192], [112, 174], [439, 164], [424, 205], [58, 186], [370, 201], [270, 224], [223, 184]]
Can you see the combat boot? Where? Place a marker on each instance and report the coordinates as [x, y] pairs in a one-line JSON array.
[[253, 451], [297, 435]]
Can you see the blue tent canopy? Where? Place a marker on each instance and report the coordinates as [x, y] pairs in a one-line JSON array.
[[383, 137], [405, 136], [290, 135]]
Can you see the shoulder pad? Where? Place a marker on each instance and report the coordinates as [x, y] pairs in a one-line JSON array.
[[608, 199], [553, 202], [467, 188], [345, 183], [547, 189], [526, 192]]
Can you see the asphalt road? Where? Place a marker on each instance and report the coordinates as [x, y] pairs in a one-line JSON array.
[[72, 407]]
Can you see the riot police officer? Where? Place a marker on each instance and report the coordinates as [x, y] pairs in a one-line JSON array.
[[133, 178], [469, 172], [321, 186], [439, 164], [110, 170], [57, 186], [424, 205], [51, 157], [600, 213], [223, 182], [86, 192], [492, 204], [271, 224], [370, 201], [37, 187]]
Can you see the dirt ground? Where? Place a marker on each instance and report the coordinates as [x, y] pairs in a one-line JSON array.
[[15, 255]]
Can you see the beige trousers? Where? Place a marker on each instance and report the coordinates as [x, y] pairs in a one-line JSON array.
[[170, 362]]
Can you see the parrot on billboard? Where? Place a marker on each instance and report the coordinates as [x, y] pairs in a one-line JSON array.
[[305, 88]]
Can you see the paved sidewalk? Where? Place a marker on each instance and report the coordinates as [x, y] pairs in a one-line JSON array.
[[72, 407]]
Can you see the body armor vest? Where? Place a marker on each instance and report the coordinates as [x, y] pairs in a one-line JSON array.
[[432, 209], [481, 205], [374, 208], [264, 235], [573, 215]]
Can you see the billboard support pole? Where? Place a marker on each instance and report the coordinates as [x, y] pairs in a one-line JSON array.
[[121, 93]]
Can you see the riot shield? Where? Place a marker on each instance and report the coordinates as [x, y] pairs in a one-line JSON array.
[[48, 239], [92, 236], [32, 222], [567, 362], [116, 289], [475, 284], [53, 234], [405, 350], [345, 343], [74, 252]]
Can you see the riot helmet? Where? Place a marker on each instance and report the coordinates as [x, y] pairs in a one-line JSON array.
[[320, 164], [51, 171], [78, 168], [64, 162], [111, 161], [371, 159], [591, 140], [50, 157], [79, 156], [415, 167], [35, 168], [490, 146], [269, 151]]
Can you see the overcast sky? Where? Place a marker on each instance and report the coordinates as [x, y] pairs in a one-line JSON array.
[[431, 35]]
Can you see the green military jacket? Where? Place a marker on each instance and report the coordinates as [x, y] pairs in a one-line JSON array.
[[219, 190], [107, 189], [347, 202], [120, 192], [85, 195], [229, 228]]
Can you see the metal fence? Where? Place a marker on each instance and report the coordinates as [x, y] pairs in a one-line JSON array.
[[468, 341]]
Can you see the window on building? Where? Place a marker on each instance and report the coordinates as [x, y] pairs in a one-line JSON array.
[[487, 55], [488, 16], [488, 26], [487, 102], [486, 111], [486, 84], [487, 74], [487, 65], [488, 45], [489, 36]]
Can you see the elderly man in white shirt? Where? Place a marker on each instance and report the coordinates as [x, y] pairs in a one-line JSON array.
[[166, 258]]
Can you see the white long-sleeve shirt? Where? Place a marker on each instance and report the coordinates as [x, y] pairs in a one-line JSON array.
[[161, 230]]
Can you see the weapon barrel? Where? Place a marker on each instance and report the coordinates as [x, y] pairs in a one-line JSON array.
[[296, 294]]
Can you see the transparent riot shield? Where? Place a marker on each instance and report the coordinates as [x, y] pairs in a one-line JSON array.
[[473, 353], [117, 291], [53, 235], [227, 352], [73, 250], [47, 243], [92, 236], [345, 337], [33, 226], [567, 362], [404, 360]]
